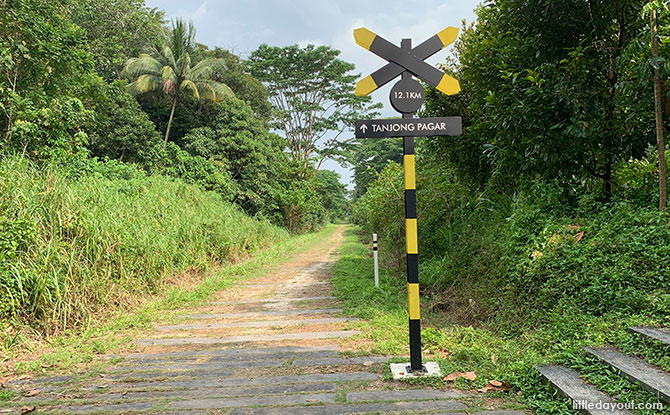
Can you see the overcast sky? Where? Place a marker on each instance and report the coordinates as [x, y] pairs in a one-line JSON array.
[[242, 25]]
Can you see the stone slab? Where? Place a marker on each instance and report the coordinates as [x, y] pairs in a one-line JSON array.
[[264, 323], [230, 358], [114, 408], [49, 379], [657, 333], [273, 300], [339, 361], [216, 365], [636, 370], [260, 314], [568, 383], [402, 395], [354, 409], [402, 370], [230, 352], [213, 380], [254, 401], [220, 392], [247, 338], [283, 356], [284, 284]]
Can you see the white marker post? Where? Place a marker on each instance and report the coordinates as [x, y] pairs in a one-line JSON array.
[[375, 255]]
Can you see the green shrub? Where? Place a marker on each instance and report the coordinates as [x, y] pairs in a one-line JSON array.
[[610, 259], [170, 160]]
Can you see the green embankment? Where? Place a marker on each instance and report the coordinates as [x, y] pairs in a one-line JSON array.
[[503, 349], [79, 241]]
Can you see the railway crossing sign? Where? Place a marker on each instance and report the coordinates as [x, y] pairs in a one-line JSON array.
[[406, 60], [406, 97]]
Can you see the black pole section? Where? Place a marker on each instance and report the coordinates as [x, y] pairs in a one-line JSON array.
[[411, 240]]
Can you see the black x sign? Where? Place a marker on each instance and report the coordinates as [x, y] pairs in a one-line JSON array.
[[402, 60]]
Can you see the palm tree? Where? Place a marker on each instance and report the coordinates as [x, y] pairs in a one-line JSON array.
[[167, 69]]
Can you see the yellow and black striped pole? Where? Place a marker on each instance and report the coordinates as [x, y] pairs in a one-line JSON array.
[[408, 62], [411, 241]]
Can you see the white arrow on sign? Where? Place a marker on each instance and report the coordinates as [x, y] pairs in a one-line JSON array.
[[364, 128]]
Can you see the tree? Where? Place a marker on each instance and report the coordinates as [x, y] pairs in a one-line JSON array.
[[333, 194], [116, 30], [369, 157], [550, 89], [658, 109], [167, 70], [312, 93], [44, 74], [234, 72]]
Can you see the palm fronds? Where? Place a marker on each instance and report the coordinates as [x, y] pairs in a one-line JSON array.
[[168, 70]]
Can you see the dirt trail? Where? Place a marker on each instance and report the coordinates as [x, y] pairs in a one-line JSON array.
[[266, 346]]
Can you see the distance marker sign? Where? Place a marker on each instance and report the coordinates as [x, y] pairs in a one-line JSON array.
[[409, 127], [406, 97]]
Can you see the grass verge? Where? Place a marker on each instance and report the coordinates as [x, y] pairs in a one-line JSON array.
[[489, 350]]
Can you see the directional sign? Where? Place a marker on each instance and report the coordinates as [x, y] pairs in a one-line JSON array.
[[401, 60], [409, 127]]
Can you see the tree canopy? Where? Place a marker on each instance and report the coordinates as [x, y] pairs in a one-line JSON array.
[[312, 94]]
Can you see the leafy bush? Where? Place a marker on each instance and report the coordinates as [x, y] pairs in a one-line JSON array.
[[607, 259], [120, 130], [170, 160], [380, 211], [252, 156], [545, 252]]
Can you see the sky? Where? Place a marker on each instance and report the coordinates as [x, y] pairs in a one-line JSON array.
[[242, 25]]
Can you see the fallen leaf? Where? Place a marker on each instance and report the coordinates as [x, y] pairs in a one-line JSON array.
[[368, 363], [6, 411], [24, 377], [453, 376], [311, 400], [496, 386], [486, 388], [31, 393], [28, 409], [103, 386], [579, 236], [573, 227]]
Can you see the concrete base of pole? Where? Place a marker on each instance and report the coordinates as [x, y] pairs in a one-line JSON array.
[[403, 370]]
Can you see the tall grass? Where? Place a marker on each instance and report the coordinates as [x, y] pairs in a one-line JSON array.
[[71, 245]]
